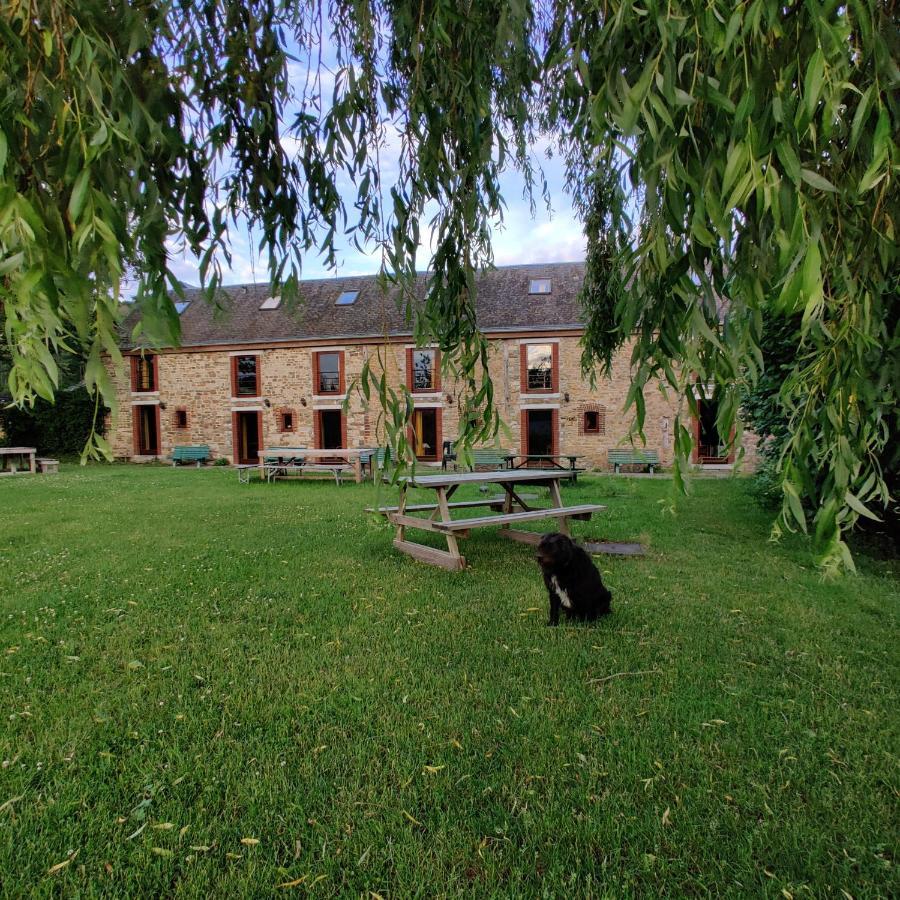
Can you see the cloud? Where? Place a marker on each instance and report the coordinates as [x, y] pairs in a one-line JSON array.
[[523, 240]]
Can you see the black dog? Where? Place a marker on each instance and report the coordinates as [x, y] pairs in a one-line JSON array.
[[572, 580]]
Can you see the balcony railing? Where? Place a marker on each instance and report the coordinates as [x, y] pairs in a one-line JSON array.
[[540, 380], [329, 384]]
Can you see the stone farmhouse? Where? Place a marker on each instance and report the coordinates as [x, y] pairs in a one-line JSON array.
[[254, 374]]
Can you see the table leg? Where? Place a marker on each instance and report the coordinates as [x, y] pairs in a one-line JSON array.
[[562, 521], [513, 499], [401, 509], [357, 468], [447, 559], [452, 545], [31, 463]]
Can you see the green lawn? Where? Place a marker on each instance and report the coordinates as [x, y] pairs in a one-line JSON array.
[[215, 689]]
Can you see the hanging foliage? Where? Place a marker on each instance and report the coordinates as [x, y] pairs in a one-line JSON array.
[[757, 151], [750, 147]]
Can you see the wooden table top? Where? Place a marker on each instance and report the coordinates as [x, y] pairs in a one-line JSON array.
[[544, 456], [500, 476], [16, 451], [349, 452]]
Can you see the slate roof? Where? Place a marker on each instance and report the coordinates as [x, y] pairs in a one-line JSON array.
[[504, 304]]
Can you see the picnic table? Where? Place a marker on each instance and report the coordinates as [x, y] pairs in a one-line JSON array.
[[543, 460], [13, 460], [507, 509], [349, 456]]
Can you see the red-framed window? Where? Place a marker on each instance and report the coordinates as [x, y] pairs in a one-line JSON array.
[[144, 373], [287, 420], [423, 369], [181, 417], [539, 368], [593, 419], [246, 375], [328, 372]]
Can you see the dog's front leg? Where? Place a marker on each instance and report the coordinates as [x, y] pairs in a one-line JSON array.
[[554, 606]]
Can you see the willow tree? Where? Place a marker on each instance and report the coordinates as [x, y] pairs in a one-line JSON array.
[[750, 148]]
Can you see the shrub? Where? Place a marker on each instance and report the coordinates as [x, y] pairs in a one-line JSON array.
[[59, 428]]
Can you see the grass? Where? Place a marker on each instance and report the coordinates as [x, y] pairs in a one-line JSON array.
[[191, 666]]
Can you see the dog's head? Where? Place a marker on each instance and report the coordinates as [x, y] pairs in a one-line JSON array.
[[554, 552]]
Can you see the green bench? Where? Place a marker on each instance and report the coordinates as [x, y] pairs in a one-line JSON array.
[[619, 458], [490, 458], [374, 461], [197, 454]]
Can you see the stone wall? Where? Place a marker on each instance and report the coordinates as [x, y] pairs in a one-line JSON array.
[[199, 381]]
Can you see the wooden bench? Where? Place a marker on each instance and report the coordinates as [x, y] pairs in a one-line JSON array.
[[48, 466], [619, 458], [297, 469], [491, 502], [582, 512], [196, 454], [338, 470]]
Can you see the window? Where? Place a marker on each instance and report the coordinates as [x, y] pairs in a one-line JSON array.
[[347, 298], [181, 306], [245, 376], [422, 370], [539, 286], [143, 374], [593, 420], [286, 420], [181, 418], [329, 374], [271, 303], [540, 365]]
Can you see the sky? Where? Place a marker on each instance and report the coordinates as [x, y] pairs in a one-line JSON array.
[[553, 235]]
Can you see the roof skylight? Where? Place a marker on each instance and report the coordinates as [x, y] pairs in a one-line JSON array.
[[347, 298], [539, 286], [271, 302]]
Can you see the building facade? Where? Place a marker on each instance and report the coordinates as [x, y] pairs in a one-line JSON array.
[[255, 374]]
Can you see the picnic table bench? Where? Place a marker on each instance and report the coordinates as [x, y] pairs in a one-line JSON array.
[[198, 453], [17, 459], [281, 462], [545, 461], [509, 509], [619, 458], [245, 470]]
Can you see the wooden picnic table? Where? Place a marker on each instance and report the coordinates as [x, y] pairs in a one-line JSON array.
[[17, 456], [507, 509], [353, 456]]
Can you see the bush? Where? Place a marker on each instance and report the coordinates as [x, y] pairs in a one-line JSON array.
[[61, 428]]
